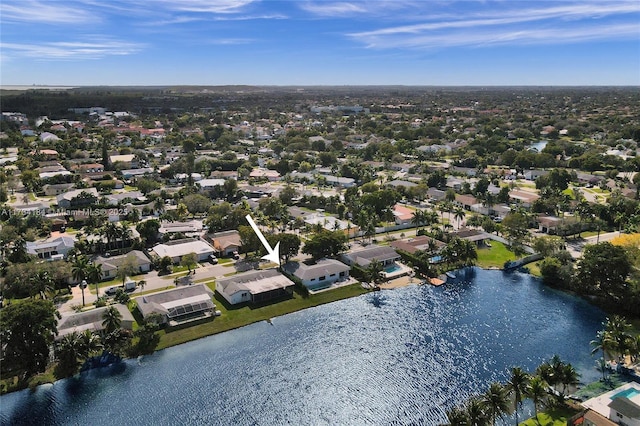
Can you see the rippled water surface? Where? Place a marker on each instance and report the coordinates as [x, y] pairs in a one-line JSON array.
[[400, 357]]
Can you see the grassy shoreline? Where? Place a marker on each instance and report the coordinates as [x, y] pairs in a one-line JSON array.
[[233, 318]]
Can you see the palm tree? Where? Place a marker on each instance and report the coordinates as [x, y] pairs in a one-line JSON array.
[[537, 392], [618, 328], [111, 319], [89, 343], [457, 416], [495, 401], [94, 275], [517, 387], [570, 378], [142, 283], [476, 412], [68, 354], [418, 219], [458, 215], [79, 269], [41, 284], [603, 343]]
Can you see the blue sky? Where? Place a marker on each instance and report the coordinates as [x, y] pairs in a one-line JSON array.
[[219, 42]]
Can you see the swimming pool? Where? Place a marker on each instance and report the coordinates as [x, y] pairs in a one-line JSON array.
[[627, 393], [392, 268]]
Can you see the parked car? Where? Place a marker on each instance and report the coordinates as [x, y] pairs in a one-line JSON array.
[[235, 255], [213, 259], [111, 291]]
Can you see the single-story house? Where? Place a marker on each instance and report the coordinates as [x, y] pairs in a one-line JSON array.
[[401, 183], [179, 305], [321, 274], [119, 197], [436, 194], [226, 242], [51, 247], [127, 160], [384, 254], [260, 173], [110, 265], [523, 198], [465, 201], [178, 248], [474, 235], [92, 320], [57, 188], [330, 223], [621, 405], [254, 286], [403, 215], [208, 184], [77, 198], [421, 243], [189, 228]]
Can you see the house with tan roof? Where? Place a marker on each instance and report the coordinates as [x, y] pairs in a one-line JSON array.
[[255, 286]]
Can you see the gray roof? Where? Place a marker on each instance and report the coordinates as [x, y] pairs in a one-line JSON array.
[[115, 261], [89, 320], [254, 282], [626, 407], [318, 269], [396, 183], [366, 256], [165, 301]]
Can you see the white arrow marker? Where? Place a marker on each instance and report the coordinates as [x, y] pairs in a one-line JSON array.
[[274, 254]]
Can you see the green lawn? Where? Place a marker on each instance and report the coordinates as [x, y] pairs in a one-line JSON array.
[[555, 417], [495, 256], [237, 317]]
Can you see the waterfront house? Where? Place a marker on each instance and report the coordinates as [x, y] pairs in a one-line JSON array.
[[255, 286], [178, 248], [80, 322], [421, 243], [620, 405], [179, 305], [363, 258], [319, 275]]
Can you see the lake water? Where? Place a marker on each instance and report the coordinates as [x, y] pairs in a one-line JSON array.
[[539, 146], [389, 357]]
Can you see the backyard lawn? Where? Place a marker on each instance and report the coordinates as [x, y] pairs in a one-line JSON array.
[[556, 417], [237, 317], [494, 256]]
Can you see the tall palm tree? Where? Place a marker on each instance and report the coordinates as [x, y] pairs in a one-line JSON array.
[[457, 416], [89, 343], [94, 275], [570, 378], [418, 219], [603, 343], [68, 353], [458, 215], [517, 387], [80, 268], [495, 401], [537, 393], [111, 319], [618, 329], [475, 412]]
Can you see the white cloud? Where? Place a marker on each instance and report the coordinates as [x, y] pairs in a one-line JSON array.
[[558, 23], [205, 6], [44, 12], [70, 49], [333, 8], [508, 36]]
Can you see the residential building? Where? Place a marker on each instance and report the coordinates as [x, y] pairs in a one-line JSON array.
[[191, 228], [110, 265], [620, 405], [403, 215], [77, 198], [319, 275], [51, 248], [129, 161], [178, 248], [255, 286], [226, 242], [180, 305], [56, 189], [260, 173], [363, 258], [421, 243], [92, 321]]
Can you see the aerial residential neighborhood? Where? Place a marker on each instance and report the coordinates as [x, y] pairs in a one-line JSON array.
[[133, 221]]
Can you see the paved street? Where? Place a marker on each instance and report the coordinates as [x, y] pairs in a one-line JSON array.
[[575, 247]]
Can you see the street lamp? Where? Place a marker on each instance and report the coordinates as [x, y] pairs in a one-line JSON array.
[[83, 285]]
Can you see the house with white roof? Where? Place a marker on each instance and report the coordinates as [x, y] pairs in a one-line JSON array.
[[319, 275], [178, 248], [255, 286], [51, 247], [127, 160]]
